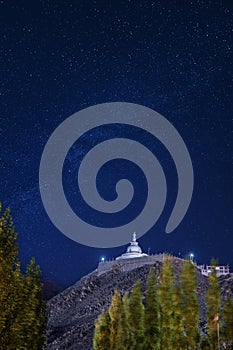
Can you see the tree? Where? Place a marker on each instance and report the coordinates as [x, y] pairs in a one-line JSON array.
[[178, 338], [102, 334], [228, 324], [18, 330], [34, 307], [124, 335], [213, 308], [152, 330], [8, 263], [136, 318], [190, 306], [22, 312], [115, 311], [165, 291]]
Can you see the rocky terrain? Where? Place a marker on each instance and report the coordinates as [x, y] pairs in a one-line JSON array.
[[73, 312]]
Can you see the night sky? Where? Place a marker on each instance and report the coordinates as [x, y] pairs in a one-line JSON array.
[[58, 57]]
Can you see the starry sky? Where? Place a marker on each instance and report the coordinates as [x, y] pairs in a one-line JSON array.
[[58, 57]]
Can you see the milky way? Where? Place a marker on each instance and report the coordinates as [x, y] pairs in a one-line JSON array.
[[58, 57]]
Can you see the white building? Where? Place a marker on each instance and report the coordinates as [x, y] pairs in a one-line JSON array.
[[206, 270]]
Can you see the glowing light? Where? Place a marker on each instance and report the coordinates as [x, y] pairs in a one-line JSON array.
[[191, 256]]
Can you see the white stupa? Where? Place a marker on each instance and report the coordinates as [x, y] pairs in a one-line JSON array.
[[133, 250]]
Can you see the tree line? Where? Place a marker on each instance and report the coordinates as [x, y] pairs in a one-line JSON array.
[[22, 311], [168, 318]]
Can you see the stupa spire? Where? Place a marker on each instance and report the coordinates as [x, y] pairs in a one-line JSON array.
[[134, 237]]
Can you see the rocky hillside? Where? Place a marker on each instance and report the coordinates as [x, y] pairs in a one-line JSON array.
[[74, 311]]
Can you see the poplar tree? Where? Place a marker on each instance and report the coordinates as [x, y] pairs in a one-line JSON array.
[[166, 290], [124, 334], [29, 326], [34, 308], [178, 339], [115, 311], [213, 308], [19, 330], [102, 334], [136, 318], [190, 305], [22, 312], [152, 331], [8, 263], [228, 324]]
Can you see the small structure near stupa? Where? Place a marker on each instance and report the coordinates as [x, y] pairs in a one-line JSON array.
[[206, 270]]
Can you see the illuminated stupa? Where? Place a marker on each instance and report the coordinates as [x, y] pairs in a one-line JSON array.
[[133, 250]]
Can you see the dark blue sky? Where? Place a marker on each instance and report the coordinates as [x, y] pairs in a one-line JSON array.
[[58, 57]]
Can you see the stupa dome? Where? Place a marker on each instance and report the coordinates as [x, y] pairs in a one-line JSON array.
[[133, 250]]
